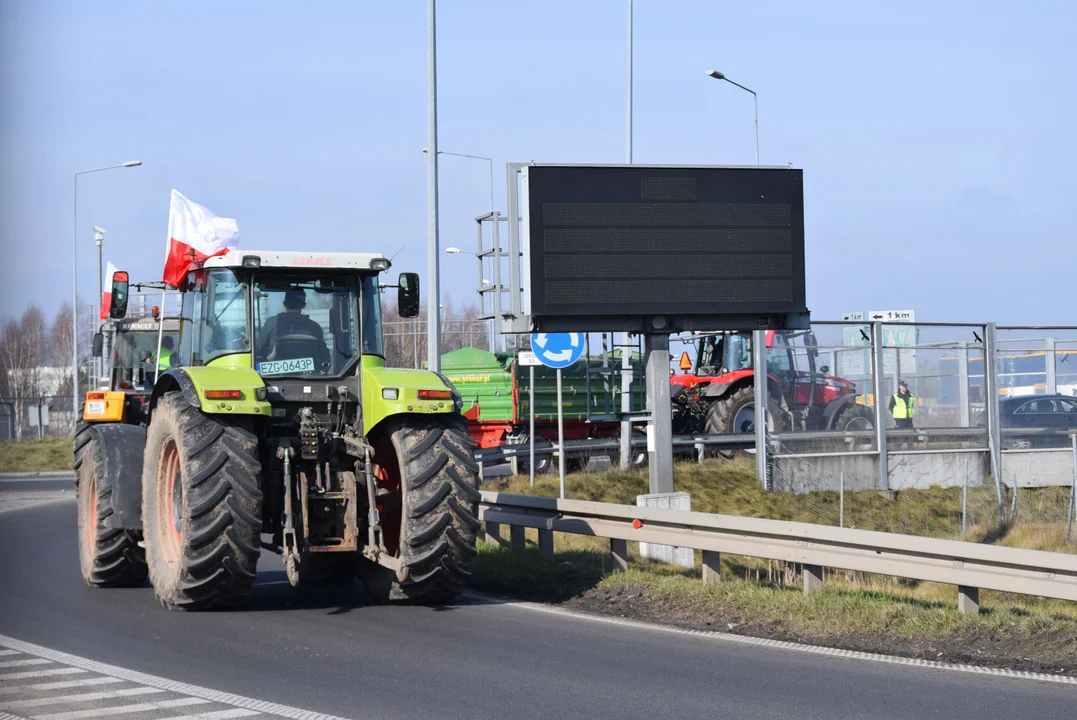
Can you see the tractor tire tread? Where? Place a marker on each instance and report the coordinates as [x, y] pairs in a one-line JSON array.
[[113, 557], [221, 505]]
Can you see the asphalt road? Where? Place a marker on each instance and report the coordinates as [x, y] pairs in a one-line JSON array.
[[324, 650]]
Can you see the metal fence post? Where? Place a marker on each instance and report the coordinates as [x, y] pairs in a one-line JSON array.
[[1049, 362], [1073, 492], [531, 435], [759, 365], [626, 405], [878, 368], [963, 384], [991, 407]]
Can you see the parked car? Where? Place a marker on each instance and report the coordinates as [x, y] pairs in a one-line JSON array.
[[1039, 413]]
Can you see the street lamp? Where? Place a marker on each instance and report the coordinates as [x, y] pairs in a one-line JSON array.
[[75, 282], [485, 283], [475, 157], [719, 76]]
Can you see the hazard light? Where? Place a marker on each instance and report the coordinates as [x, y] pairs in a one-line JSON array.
[[435, 394]]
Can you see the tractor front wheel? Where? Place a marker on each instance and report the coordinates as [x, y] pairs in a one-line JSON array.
[[201, 507], [426, 463], [853, 417]]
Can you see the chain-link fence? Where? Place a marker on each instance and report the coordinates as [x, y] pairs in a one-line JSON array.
[[34, 418]]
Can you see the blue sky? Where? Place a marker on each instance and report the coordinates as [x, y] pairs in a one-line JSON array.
[[937, 139]]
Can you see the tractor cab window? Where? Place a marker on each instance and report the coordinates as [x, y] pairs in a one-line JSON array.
[[738, 351], [373, 343], [305, 327], [224, 319], [213, 318], [779, 356]]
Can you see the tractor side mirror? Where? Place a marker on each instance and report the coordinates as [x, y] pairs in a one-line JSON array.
[[98, 344], [118, 307], [407, 297]]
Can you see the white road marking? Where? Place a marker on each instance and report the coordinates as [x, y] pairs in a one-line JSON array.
[[61, 685], [783, 644], [197, 694], [122, 709], [78, 698], [220, 714], [40, 673], [5, 653], [24, 663]]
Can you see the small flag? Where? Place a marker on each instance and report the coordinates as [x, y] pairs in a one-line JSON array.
[[106, 293], [194, 234]]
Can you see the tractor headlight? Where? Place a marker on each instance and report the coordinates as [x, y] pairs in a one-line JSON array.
[[390, 393], [379, 264]]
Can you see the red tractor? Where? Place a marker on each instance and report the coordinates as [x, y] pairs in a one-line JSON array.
[[718, 396]]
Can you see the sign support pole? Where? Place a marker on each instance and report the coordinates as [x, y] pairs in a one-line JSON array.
[[561, 460], [660, 423], [531, 435]]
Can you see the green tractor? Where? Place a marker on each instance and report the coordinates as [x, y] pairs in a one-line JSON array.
[[278, 427]]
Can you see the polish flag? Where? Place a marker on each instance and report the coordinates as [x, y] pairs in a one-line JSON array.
[[106, 294], [194, 234]]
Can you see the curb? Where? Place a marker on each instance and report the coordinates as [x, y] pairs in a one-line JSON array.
[[725, 637], [66, 474]]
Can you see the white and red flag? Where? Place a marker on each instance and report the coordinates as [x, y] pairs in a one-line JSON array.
[[194, 234], [106, 292]]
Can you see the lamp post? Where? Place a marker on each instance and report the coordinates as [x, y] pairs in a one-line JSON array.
[[485, 282], [475, 157], [75, 283], [719, 76], [433, 296]]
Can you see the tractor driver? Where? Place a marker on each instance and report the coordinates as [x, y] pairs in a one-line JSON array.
[[290, 335]]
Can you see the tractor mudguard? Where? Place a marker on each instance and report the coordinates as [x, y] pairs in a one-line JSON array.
[[122, 449], [834, 407], [171, 381], [194, 382], [715, 390]]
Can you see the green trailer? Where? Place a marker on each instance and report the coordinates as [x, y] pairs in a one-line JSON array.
[[495, 390]]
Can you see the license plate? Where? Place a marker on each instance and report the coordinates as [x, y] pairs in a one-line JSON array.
[[95, 407], [286, 367]]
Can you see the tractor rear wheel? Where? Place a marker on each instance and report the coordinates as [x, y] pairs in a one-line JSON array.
[[201, 507], [109, 557], [427, 463], [735, 414], [83, 435]]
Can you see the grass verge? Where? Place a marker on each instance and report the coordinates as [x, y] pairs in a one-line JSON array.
[[48, 455], [765, 599]]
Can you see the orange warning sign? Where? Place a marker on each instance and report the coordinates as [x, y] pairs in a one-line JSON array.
[[685, 364]]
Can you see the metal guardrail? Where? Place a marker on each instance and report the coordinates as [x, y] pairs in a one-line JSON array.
[[612, 446], [970, 566]]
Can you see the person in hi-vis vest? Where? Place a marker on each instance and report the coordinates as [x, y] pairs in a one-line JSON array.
[[902, 406]]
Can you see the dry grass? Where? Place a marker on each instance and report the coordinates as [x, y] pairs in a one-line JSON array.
[[48, 455], [760, 597]]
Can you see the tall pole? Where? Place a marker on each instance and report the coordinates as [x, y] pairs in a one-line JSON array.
[[99, 238], [626, 358], [75, 305], [628, 104], [433, 293], [75, 283], [755, 99]]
